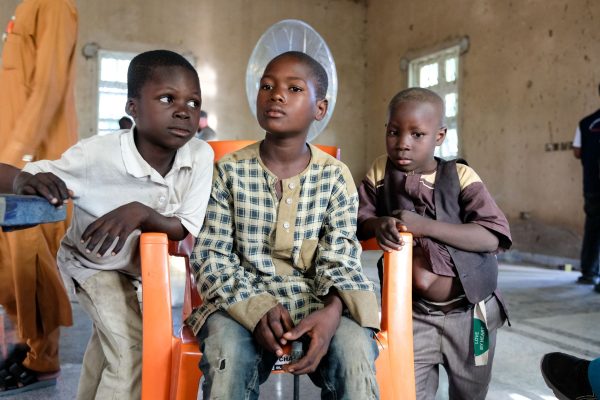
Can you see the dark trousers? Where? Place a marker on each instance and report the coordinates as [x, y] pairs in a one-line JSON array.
[[590, 249]]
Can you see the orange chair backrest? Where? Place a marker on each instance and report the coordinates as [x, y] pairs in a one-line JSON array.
[[222, 147]]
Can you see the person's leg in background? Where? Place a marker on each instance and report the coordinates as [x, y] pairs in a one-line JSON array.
[[590, 249], [33, 295]]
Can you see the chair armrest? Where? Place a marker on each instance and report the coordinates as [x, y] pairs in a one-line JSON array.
[[396, 314], [157, 321], [396, 319]]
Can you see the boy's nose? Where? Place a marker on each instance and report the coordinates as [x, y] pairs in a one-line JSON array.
[[181, 112], [276, 95], [403, 142]]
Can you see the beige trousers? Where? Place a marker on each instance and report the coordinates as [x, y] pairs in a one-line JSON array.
[[112, 364]]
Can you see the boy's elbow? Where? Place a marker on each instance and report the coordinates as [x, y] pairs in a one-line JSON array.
[[491, 244]]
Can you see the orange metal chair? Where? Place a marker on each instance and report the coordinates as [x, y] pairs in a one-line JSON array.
[[170, 362], [222, 147]]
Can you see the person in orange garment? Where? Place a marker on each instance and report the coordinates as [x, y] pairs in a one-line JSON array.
[[37, 121]]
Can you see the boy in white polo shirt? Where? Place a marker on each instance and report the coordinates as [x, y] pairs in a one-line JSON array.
[[153, 177]]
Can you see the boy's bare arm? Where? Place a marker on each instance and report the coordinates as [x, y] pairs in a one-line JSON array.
[[320, 326], [8, 173], [121, 222], [468, 236]]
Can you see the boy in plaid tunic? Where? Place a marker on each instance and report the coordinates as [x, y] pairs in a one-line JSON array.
[[278, 260]]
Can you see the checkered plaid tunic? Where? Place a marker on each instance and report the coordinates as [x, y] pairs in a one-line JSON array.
[[255, 251]]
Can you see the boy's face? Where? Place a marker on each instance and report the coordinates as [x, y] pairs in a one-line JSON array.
[[413, 131], [167, 111], [286, 103]]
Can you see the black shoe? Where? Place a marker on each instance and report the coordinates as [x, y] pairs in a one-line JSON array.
[[586, 280], [16, 355], [567, 376]]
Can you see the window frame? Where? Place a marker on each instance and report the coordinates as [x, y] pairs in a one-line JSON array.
[[117, 85], [443, 88]]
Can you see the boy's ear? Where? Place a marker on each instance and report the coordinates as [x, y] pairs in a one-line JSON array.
[[131, 108], [322, 106], [440, 135]]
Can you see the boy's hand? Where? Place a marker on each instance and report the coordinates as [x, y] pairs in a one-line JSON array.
[[413, 222], [320, 326], [387, 232], [119, 223], [45, 184], [271, 327]]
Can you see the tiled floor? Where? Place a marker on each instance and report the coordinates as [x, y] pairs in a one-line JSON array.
[[548, 313]]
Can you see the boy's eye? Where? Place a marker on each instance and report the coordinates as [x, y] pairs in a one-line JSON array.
[[193, 104], [166, 99], [266, 86], [391, 132], [418, 134], [295, 89]]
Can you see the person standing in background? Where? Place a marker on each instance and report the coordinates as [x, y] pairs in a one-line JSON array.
[[205, 132], [125, 123], [37, 121], [586, 147]]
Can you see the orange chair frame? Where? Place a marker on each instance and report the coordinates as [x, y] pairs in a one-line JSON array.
[[170, 363], [222, 147]]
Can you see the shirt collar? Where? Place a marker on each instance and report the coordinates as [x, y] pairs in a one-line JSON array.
[[138, 167]]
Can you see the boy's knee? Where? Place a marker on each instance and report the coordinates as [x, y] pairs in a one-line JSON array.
[[225, 344], [353, 344]]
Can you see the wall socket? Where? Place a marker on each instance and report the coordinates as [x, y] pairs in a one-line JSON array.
[[558, 146]]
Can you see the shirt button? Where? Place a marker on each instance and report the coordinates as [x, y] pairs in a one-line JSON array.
[[286, 225], [162, 199], [288, 200], [291, 185]]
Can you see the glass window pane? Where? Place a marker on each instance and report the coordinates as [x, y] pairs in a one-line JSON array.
[[112, 90], [177, 276], [451, 69], [111, 105], [428, 75], [452, 142], [451, 106]]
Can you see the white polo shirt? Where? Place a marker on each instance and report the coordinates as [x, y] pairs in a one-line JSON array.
[[106, 172]]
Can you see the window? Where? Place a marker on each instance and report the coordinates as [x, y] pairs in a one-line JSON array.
[[112, 89], [439, 72]]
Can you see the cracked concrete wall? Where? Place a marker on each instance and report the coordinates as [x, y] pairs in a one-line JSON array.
[[531, 72]]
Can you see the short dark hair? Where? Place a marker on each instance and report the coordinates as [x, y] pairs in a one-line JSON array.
[[142, 66], [419, 95], [125, 123], [317, 70]]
